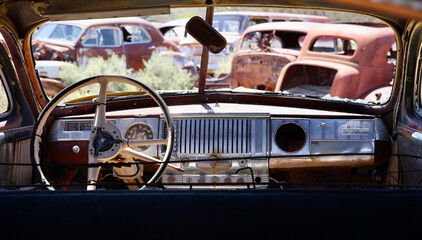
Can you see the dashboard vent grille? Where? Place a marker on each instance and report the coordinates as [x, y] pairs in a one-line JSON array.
[[213, 135]]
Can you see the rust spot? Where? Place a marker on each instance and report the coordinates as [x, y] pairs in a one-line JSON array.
[[326, 161]]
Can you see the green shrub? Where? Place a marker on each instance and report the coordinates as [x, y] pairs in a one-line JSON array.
[[96, 66], [160, 74]]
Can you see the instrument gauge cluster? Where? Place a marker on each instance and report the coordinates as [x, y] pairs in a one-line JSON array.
[[77, 130], [139, 131]]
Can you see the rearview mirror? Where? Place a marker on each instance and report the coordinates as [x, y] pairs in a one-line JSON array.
[[205, 34]]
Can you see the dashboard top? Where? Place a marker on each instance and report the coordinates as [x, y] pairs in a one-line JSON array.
[[228, 109]]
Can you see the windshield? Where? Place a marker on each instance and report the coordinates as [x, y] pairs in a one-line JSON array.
[[228, 23], [255, 40], [58, 32], [348, 58]]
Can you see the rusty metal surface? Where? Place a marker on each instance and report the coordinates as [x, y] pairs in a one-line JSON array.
[[325, 161], [245, 20], [373, 43], [260, 67], [349, 75]]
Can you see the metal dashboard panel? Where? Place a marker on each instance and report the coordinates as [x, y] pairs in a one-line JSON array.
[[226, 150], [303, 123], [329, 143], [219, 151], [60, 131], [342, 136]]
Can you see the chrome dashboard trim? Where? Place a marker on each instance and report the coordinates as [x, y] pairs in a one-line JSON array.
[[240, 139], [57, 131]]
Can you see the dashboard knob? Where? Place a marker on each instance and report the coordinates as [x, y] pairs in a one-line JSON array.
[[76, 149]]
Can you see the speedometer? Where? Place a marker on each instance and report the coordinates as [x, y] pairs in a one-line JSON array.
[[139, 131]]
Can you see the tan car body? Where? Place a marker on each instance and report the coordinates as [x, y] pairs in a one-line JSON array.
[[348, 75], [259, 68], [249, 18]]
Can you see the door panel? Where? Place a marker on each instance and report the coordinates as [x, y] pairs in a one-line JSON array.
[[409, 114], [409, 145], [138, 45], [17, 114], [17, 153]]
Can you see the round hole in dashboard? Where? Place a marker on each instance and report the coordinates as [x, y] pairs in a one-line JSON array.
[[290, 137]]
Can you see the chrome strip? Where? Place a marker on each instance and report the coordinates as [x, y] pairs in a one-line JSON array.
[[214, 135]]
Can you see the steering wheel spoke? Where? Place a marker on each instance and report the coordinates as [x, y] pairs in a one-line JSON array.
[[139, 143], [130, 153], [93, 173], [100, 111], [106, 141]]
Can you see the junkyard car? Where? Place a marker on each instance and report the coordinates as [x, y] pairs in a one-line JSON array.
[[171, 143], [233, 24], [78, 41], [264, 50], [343, 60]]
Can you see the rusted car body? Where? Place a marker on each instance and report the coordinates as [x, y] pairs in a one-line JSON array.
[[264, 50], [78, 41], [354, 62], [196, 141], [233, 24]]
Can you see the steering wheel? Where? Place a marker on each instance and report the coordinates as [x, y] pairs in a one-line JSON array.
[[106, 142]]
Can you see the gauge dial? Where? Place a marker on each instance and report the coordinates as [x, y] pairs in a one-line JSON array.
[[139, 131]]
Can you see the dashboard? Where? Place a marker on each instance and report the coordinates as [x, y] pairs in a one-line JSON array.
[[226, 146]]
